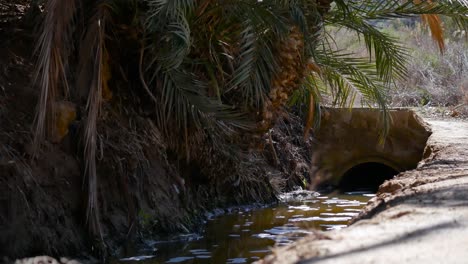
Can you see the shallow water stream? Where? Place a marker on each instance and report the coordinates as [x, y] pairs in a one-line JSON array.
[[247, 235]]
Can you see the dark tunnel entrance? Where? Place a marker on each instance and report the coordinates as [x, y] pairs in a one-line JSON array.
[[366, 177]]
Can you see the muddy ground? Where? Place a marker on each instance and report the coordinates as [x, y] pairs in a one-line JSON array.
[[420, 216]]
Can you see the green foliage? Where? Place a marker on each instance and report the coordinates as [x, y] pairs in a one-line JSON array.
[[348, 74], [208, 65], [216, 60]]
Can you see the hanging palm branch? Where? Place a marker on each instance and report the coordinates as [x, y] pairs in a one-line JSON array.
[[53, 48], [429, 11], [389, 55], [94, 45], [93, 105]]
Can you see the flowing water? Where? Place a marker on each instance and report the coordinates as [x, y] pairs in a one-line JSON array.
[[247, 235]]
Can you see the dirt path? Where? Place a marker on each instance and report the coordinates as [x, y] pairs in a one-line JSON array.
[[420, 216]]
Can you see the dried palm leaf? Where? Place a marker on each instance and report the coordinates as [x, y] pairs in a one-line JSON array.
[[435, 25], [54, 48], [95, 42], [437, 32]]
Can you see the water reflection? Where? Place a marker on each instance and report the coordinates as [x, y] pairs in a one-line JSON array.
[[246, 236]]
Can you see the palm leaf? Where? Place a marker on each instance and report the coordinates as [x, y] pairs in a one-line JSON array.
[[389, 56], [347, 77], [54, 47], [437, 32], [255, 68], [185, 107], [170, 20], [311, 87], [429, 11], [94, 45]]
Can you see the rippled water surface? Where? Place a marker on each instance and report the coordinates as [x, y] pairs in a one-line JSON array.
[[248, 234]]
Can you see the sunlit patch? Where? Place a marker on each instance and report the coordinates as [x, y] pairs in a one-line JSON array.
[[281, 230], [316, 218], [137, 258], [339, 214], [352, 210], [179, 259], [199, 251], [333, 227], [303, 208], [296, 216], [236, 260], [264, 235]]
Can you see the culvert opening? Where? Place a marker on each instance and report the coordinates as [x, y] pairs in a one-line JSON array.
[[366, 177]]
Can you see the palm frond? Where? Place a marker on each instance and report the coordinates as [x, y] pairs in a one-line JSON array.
[[185, 107], [94, 45], [167, 9], [345, 73], [429, 11], [54, 47], [390, 57], [312, 88], [437, 32], [307, 15], [255, 68], [170, 20], [262, 27], [391, 9], [348, 77]]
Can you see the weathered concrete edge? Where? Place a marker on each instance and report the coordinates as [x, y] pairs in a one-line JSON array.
[[379, 203], [350, 137], [395, 191]]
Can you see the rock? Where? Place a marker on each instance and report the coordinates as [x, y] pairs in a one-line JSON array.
[[390, 187]]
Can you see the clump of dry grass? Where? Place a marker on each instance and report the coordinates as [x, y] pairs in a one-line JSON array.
[[464, 91], [434, 78]]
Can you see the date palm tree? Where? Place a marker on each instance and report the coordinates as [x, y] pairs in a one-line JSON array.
[[214, 71]]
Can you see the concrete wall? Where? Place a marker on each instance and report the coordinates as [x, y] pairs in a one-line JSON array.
[[349, 137]]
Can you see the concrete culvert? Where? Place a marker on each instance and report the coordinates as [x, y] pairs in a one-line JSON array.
[[366, 177], [349, 139]]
